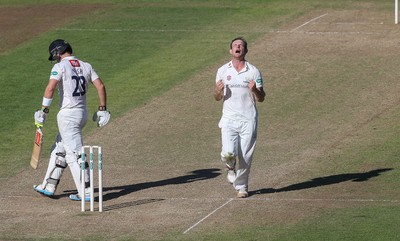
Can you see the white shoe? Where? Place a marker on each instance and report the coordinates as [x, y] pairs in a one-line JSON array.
[[242, 193], [231, 174], [48, 191], [76, 197]]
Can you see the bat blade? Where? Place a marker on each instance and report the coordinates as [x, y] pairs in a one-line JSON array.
[[37, 148]]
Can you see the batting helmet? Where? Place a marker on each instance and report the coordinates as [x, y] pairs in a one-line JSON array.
[[57, 48]]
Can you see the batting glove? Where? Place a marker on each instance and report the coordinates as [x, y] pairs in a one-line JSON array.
[[40, 118], [101, 117]]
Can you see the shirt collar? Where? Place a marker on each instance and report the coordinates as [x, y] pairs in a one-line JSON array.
[[68, 58], [230, 65]]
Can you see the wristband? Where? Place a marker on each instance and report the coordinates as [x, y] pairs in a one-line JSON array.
[[45, 110], [102, 108], [46, 102]]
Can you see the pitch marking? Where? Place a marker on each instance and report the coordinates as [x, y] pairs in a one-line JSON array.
[[261, 31], [326, 33], [201, 220], [132, 30], [312, 20]]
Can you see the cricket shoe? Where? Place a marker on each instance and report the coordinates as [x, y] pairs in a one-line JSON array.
[[76, 197], [48, 191], [242, 193], [231, 174]]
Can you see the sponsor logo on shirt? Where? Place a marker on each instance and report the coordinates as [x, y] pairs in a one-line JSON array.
[[54, 73], [238, 86], [228, 77], [74, 63]]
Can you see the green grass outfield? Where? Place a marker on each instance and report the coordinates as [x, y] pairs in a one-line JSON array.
[[152, 46], [151, 56]]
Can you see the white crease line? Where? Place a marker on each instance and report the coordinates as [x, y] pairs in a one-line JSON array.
[[326, 199], [312, 20], [347, 23], [194, 225], [252, 198], [133, 30], [327, 33], [193, 30], [154, 30]]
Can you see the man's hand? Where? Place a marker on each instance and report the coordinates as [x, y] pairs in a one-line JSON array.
[[101, 117], [40, 118], [252, 85], [220, 86], [219, 90], [257, 92]]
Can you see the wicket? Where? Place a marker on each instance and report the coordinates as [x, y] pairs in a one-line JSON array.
[[396, 11], [100, 177]]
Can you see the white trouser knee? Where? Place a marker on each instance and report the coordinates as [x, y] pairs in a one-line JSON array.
[[229, 159]]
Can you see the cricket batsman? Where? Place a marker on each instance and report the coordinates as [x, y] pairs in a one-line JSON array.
[[71, 77]]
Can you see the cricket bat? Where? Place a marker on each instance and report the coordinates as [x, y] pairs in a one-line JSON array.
[[37, 148]]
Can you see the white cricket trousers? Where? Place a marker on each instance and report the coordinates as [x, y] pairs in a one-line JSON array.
[[70, 125], [239, 138]]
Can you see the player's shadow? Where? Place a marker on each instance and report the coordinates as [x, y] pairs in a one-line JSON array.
[[197, 175], [324, 181]]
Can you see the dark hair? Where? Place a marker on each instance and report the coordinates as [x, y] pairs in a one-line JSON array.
[[239, 38]]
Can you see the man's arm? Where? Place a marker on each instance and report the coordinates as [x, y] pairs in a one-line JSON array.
[[49, 91], [258, 93], [101, 91], [102, 116], [40, 115]]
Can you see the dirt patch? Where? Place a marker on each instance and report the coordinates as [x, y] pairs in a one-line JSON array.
[[19, 24]]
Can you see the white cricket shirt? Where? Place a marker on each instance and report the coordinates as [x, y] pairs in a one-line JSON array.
[[73, 76], [239, 102]]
